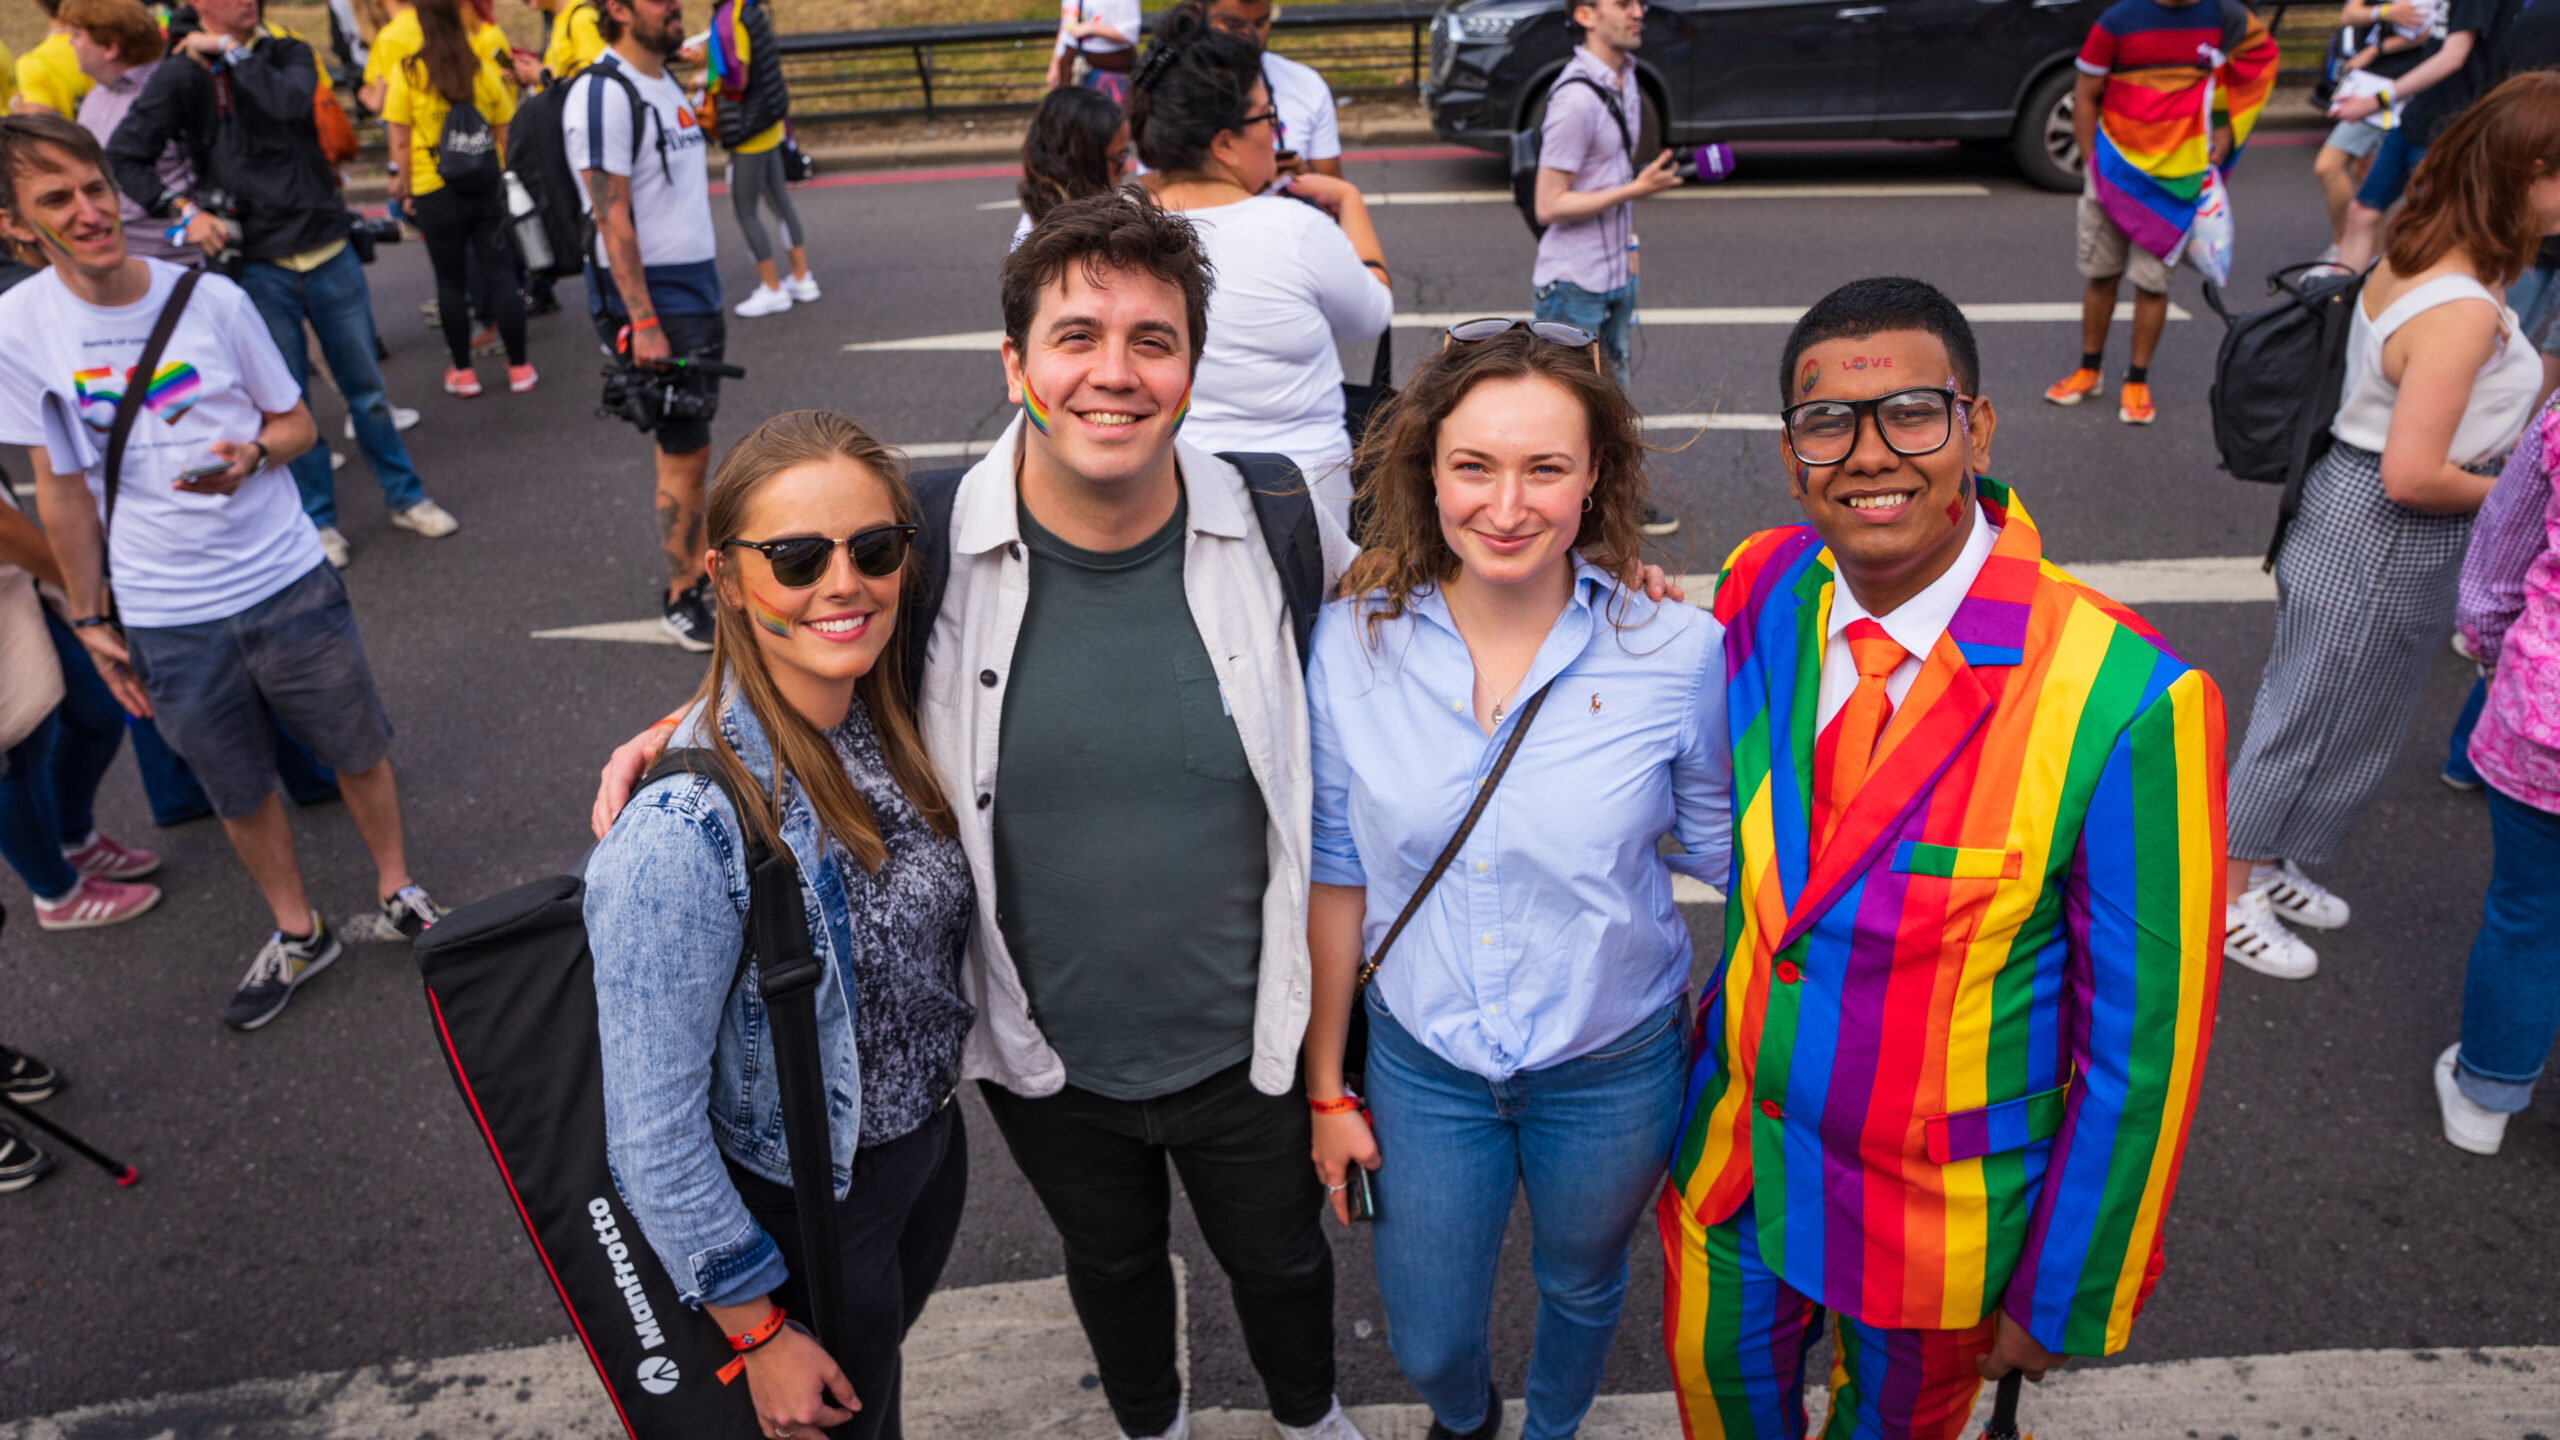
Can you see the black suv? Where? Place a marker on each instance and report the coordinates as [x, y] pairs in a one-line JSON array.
[[1985, 71]]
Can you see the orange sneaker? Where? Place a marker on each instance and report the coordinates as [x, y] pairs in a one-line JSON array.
[[2133, 403], [2075, 387], [521, 378], [462, 383]]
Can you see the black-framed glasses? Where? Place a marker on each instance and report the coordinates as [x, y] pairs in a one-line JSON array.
[[1911, 422], [1250, 121], [800, 561], [1554, 332]]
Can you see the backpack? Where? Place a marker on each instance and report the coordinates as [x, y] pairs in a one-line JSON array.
[[1526, 145], [467, 151], [1281, 503], [511, 986], [2278, 379], [538, 150]]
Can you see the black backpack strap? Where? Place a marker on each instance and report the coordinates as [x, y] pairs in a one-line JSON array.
[[642, 114], [2337, 322], [788, 973], [935, 492], [1617, 108], [1287, 511], [129, 404]]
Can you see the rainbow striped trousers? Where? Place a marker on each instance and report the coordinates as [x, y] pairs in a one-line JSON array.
[[1737, 1336]]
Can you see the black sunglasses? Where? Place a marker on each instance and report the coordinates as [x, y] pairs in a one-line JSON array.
[[1913, 422], [1554, 332], [800, 561]]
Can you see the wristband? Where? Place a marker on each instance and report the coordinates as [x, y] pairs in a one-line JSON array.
[[1343, 1106], [765, 1330], [645, 322], [88, 621]]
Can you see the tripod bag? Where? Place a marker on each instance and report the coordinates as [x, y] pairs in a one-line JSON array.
[[511, 986]]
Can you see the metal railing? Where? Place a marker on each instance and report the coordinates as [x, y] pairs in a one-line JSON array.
[[1364, 49]]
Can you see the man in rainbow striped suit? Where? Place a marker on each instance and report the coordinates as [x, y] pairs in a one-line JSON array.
[[1944, 1077]]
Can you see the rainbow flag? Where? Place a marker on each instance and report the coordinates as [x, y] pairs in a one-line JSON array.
[[727, 50], [2155, 133]]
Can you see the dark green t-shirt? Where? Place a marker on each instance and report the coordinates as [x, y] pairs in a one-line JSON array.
[[1130, 844]]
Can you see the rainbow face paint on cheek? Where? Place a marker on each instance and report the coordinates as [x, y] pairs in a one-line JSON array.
[[1033, 407], [1181, 412], [768, 615]]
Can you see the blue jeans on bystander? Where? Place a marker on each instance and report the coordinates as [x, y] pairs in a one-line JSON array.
[[333, 296], [1608, 314], [1589, 1138], [2511, 989]]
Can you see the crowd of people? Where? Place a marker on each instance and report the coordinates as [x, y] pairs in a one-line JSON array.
[[1348, 897]]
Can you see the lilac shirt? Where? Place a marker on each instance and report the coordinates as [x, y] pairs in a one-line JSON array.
[[1582, 138], [101, 110], [2510, 612]]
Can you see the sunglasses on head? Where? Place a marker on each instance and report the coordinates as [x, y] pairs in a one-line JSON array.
[[1554, 332], [800, 561]]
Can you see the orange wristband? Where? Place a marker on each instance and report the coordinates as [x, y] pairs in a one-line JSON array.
[[645, 322], [1343, 1106]]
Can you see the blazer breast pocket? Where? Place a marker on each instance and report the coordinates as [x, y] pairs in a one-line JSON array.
[[1212, 748], [1969, 878]]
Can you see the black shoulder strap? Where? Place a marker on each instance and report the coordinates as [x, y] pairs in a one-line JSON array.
[[1617, 110], [129, 404], [935, 492], [1288, 515], [642, 114], [2337, 317], [788, 973]]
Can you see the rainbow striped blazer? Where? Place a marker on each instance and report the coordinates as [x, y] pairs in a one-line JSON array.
[[1951, 1059]]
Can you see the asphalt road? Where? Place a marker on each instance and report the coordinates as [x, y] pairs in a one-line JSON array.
[[315, 1198]]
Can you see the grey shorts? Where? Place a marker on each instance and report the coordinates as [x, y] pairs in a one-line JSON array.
[[2106, 251], [294, 657], [2354, 137]]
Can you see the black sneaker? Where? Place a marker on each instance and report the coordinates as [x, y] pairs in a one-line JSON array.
[[26, 1079], [687, 617], [410, 913], [281, 967], [21, 1164], [1491, 1427], [1658, 522]]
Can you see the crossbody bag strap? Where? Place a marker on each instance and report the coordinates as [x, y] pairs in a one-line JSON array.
[[788, 973], [129, 404], [1466, 827]]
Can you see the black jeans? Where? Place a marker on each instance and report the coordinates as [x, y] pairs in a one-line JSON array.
[[462, 227], [1099, 1167], [896, 1227]]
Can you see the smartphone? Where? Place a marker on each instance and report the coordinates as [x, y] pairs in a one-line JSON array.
[[204, 472], [1361, 1189]]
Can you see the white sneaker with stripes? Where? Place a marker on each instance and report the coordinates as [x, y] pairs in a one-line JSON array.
[[2299, 899], [2253, 936]]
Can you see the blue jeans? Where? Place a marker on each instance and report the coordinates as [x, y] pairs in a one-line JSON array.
[[2511, 989], [339, 305], [1589, 1138], [2457, 750], [1607, 314], [49, 780], [2392, 165]]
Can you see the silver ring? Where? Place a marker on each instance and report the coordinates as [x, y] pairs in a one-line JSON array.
[[1335, 1189]]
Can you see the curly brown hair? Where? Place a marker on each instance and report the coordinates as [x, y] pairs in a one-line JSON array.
[[1403, 550], [2469, 193]]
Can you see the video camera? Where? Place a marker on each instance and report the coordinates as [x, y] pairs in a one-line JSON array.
[[650, 396]]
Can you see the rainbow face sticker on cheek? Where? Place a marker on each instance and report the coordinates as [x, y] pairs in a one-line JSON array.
[[768, 615]]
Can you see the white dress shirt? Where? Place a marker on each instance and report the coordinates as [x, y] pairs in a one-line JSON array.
[[1915, 624]]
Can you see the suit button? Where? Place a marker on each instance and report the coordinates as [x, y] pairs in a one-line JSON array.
[[1788, 974], [1014, 549], [987, 678], [985, 800], [1773, 1110]]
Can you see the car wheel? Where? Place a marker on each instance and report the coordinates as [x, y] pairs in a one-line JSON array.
[[1648, 137], [2044, 145]]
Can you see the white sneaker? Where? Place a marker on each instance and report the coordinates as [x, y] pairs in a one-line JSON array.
[[402, 418], [2300, 899], [2467, 1126], [337, 461], [803, 289], [1334, 1426], [334, 545], [2253, 936], [765, 302], [1180, 1429], [426, 518]]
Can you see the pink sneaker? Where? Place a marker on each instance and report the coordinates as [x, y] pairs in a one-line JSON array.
[[94, 903], [105, 859], [521, 378], [462, 383]]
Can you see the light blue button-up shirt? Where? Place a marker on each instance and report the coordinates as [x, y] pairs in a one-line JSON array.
[[1554, 931]]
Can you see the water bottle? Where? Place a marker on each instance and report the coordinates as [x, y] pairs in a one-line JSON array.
[[533, 243]]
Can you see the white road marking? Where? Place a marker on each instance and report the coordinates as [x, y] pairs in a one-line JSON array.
[[1921, 190], [994, 1362], [1685, 891], [1993, 313], [2204, 580], [630, 632], [947, 449], [1717, 420]]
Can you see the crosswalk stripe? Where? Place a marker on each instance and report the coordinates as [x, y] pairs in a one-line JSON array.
[[1992, 313], [2203, 580], [1919, 190]]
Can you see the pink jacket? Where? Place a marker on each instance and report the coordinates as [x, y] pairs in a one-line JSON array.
[[2510, 612]]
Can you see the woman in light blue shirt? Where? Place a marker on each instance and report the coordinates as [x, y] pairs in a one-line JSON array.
[[1525, 1028]]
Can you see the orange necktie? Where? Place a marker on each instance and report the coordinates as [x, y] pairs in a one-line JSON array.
[[1845, 750]]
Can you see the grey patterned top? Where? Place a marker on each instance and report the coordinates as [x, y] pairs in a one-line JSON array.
[[910, 923]]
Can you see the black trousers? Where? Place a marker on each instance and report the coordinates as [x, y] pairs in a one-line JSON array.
[[466, 233], [1099, 1167], [896, 1228]]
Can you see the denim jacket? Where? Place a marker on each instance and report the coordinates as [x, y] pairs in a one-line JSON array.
[[688, 1067]]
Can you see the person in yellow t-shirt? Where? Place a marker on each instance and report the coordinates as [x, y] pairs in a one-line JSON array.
[[460, 219], [745, 76], [399, 38], [574, 45], [48, 77], [8, 75]]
